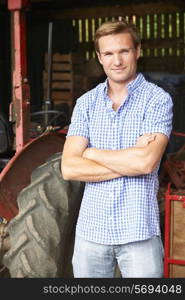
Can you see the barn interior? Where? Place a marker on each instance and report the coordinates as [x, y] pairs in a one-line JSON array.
[[161, 26], [62, 64]]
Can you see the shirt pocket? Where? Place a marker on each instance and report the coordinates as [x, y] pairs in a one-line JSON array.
[[131, 129], [100, 132]]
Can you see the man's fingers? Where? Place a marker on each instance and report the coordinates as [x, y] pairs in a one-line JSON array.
[[151, 138], [145, 139]]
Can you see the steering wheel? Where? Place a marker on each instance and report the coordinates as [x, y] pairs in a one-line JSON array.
[[47, 120]]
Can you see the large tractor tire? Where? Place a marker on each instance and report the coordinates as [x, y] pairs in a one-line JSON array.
[[42, 233]]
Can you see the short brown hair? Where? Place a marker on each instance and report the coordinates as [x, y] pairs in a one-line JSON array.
[[114, 27]]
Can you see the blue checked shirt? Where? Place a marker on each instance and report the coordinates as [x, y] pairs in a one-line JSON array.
[[125, 209]]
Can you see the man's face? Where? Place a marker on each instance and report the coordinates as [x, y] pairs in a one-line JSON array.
[[118, 57]]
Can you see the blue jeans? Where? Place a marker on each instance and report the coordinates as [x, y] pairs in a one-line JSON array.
[[142, 259]]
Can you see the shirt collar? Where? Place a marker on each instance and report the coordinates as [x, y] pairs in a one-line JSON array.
[[134, 84], [131, 86]]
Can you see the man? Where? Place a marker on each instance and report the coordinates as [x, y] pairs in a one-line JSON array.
[[117, 136]]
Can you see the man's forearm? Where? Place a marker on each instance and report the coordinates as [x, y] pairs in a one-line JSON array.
[[83, 169], [137, 160], [128, 162]]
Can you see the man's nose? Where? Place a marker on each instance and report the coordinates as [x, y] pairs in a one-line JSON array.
[[117, 59]]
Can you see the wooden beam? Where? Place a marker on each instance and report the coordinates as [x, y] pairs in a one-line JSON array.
[[162, 43], [150, 43], [169, 64], [119, 10]]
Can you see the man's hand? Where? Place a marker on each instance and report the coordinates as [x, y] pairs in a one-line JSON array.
[[145, 139]]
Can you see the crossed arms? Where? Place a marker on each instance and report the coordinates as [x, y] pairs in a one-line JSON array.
[[92, 164]]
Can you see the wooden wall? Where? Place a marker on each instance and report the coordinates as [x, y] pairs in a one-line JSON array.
[[161, 26]]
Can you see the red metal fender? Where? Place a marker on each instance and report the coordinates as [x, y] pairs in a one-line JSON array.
[[16, 175]]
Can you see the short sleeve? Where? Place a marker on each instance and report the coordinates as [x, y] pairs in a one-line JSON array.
[[158, 116], [79, 121]]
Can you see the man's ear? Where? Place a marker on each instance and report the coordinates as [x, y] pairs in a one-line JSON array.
[[99, 57], [138, 51]]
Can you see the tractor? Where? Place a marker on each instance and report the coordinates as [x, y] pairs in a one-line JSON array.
[[38, 208]]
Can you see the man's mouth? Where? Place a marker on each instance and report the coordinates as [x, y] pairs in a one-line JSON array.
[[118, 70]]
